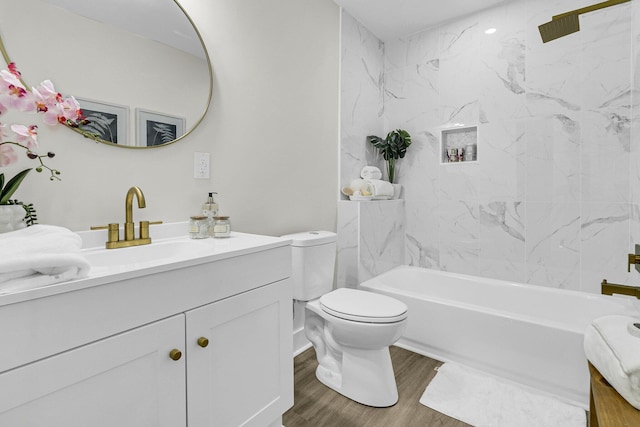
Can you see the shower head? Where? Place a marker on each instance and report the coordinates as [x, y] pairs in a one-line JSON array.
[[567, 23], [560, 27]]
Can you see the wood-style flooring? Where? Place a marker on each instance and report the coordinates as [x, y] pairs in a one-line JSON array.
[[316, 405]]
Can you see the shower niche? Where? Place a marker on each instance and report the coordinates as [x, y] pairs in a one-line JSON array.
[[459, 144]]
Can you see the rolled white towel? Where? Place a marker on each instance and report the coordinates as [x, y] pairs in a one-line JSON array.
[[370, 172], [615, 353], [381, 190]]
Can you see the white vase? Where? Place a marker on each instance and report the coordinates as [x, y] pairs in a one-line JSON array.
[[12, 218]]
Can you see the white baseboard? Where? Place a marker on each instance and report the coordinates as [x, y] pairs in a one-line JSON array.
[[300, 342]]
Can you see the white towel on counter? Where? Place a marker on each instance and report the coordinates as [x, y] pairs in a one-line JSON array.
[[382, 190], [40, 255], [615, 353]]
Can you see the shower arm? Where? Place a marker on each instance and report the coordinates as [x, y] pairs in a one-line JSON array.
[[567, 23], [590, 8]]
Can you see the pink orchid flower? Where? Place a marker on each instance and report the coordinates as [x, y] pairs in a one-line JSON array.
[[14, 70], [13, 94], [43, 99], [69, 109], [47, 93], [10, 79], [3, 132], [26, 135], [7, 155], [49, 102]]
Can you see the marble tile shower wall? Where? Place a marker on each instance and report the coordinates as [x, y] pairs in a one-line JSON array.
[[362, 89], [370, 234], [370, 239], [553, 199]]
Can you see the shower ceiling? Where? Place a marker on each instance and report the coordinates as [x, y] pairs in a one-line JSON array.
[[390, 19]]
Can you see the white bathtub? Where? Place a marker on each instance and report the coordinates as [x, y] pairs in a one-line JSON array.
[[527, 334]]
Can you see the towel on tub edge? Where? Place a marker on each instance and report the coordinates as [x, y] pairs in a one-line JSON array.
[[615, 353]]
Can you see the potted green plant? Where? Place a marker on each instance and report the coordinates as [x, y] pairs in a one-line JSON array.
[[392, 148]]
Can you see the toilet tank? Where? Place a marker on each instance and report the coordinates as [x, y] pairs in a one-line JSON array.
[[313, 258]]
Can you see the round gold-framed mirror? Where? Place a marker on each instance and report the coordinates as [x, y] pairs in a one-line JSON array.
[[140, 70]]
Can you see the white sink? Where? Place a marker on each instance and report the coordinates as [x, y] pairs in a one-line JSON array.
[[154, 253], [170, 248]]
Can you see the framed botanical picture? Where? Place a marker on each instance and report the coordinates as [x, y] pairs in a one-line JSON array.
[[110, 122], [157, 128]]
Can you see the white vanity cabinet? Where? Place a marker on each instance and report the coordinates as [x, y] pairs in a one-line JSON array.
[[240, 378], [125, 380], [104, 352]]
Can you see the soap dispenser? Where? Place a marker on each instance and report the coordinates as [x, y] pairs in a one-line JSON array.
[[210, 207]]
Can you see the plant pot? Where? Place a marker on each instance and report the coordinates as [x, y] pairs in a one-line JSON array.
[[12, 218]]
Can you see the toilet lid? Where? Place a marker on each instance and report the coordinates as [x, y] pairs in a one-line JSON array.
[[363, 306]]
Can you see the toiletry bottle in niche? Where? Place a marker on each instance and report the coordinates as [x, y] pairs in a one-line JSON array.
[[453, 155], [470, 152]]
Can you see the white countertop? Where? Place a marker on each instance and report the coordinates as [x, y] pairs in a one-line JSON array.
[[171, 249]]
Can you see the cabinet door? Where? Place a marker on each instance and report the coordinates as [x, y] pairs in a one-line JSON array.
[[126, 380], [244, 376]]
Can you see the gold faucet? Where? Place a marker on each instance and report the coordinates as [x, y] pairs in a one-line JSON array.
[[612, 288], [113, 240], [128, 213]]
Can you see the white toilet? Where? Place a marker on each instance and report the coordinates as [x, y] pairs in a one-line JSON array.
[[351, 330]]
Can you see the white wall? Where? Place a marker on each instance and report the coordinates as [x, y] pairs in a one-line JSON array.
[[272, 131]]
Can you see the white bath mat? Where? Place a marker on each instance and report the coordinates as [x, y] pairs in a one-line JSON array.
[[483, 401]]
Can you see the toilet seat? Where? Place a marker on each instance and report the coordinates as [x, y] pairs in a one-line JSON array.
[[363, 306]]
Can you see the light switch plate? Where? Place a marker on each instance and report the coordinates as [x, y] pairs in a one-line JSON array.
[[201, 165]]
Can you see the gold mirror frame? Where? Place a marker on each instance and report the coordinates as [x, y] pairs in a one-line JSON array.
[[95, 138]]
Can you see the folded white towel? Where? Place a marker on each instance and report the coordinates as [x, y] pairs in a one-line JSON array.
[[40, 255], [370, 172], [599, 352], [380, 189]]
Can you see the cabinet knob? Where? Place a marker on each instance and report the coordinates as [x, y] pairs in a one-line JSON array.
[[175, 354], [203, 342]]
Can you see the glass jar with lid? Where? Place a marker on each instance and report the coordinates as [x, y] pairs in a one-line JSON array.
[[199, 227], [221, 226]]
